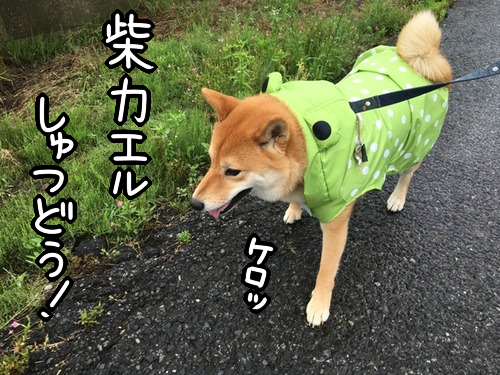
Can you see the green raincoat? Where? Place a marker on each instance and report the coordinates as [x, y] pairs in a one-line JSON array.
[[396, 137]]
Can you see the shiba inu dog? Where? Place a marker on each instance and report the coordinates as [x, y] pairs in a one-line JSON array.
[[300, 142]]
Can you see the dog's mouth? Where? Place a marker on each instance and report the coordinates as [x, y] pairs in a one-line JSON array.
[[229, 205]]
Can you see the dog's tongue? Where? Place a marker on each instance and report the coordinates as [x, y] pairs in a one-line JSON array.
[[216, 213]]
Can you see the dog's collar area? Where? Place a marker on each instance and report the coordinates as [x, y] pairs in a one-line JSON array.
[[236, 199]]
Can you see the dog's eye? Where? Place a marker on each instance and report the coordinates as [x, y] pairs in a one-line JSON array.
[[232, 172]]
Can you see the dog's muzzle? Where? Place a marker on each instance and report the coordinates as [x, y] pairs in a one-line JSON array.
[[199, 205]]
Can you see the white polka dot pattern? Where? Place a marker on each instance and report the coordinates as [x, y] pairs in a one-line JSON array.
[[398, 136]]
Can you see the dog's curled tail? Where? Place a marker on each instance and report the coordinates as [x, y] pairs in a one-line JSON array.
[[418, 45]]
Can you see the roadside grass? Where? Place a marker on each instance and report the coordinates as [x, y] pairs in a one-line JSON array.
[[229, 48]]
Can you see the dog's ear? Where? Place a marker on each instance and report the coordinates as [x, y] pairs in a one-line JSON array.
[[274, 135], [223, 104]]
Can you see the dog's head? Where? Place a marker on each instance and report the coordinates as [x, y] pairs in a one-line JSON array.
[[251, 152]]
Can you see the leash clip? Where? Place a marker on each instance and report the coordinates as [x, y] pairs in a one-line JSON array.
[[360, 150]]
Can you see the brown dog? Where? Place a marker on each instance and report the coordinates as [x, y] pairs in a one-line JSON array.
[[300, 142]]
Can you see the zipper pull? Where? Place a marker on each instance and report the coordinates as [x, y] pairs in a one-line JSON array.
[[360, 150], [360, 154]]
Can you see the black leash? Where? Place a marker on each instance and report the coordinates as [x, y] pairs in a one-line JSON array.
[[400, 96]]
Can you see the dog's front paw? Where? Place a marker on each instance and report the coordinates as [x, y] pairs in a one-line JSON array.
[[318, 308], [396, 202], [293, 213]]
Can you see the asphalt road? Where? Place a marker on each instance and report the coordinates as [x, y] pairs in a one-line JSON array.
[[417, 292]]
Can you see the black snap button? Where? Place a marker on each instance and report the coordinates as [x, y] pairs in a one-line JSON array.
[[264, 85], [322, 130]]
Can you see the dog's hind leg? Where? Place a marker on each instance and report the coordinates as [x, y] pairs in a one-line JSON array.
[[293, 213], [397, 200]]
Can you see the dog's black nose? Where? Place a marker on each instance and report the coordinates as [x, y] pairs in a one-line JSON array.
[[196, 204]]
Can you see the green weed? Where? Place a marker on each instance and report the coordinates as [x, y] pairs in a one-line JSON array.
[[16, 362], [110, 254], [91, 316], [45, 46], [19, 294], [184, 237], [127, 217], [240, 60]]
